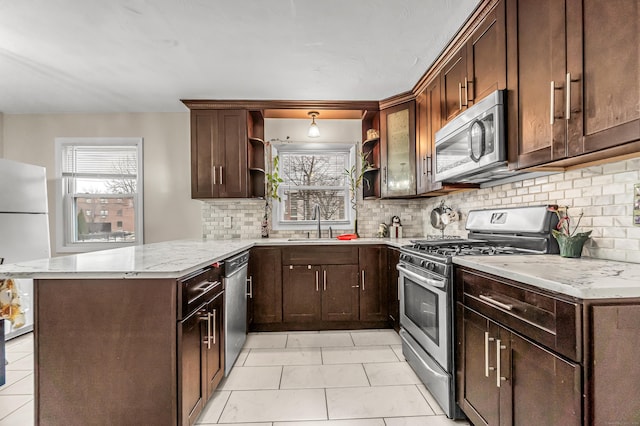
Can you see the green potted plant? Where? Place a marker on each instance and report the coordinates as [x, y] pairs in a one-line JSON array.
[[355, 182], [272, 181], [570, 242]]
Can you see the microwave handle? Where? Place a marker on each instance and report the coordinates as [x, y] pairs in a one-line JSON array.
[[472, 155]]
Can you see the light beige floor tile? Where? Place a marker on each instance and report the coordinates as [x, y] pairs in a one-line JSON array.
[[242, 424], [431, 400], [214, 407], [357, 354], [323, 376], [23, 416], [278, 405], [265, 341], [423, 421], [381, 401], [242, 357], [398, 351], [358, 422], [319, 340], [391, 373], [13, 376], [25, 362], [252, 378], [10, 403], [21, 387], [22, 343], [374, 338], [262, 357]]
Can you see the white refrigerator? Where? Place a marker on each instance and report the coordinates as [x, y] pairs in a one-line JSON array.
[[24, 227]]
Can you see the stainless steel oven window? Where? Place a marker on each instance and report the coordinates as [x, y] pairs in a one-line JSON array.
[[421, 307]]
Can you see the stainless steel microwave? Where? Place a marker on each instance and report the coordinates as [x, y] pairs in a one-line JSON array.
[[472, 146]]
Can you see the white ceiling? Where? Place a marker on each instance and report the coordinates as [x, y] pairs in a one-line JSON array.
[[146, 55]]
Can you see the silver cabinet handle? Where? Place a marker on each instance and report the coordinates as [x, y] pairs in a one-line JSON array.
[[214, 174], [552, 102], [487, 339], [499, 378], [466, 92], [317, 281], [363, 280], [384, 175], [429, 166], [324, 280], [204, 315], [250, 282], [213, 315], [496, 303], [460, 95], [567, 115], [221, 176]]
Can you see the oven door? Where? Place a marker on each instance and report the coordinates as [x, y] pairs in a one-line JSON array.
[[425, 313]]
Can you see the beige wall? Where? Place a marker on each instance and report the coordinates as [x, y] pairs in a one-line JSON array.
[[169, 211]]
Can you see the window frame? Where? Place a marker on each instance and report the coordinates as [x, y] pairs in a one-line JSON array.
[[277, 222], [65, 211]]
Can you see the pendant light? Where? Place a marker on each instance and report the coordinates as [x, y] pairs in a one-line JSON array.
[[314, 131]]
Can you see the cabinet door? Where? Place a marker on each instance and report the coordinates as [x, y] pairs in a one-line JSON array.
[[191, 359], [486, 56], [301, 293], [231, 166], [479, 397], [428, 122], [214, 346], [453, 81], [603, 56], [393, 276], [203, 153], [339, 292], [545, 389], [398, 144], [265, 275], [373, 284], [536, 60], [615, 380]]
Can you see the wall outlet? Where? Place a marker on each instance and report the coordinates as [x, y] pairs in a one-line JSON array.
[[227, 222]]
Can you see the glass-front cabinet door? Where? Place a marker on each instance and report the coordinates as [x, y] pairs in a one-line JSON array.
[[398, 143]]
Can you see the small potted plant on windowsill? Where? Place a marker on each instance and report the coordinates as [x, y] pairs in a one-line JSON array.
[[355, 182], [570, 242], [273, 181]]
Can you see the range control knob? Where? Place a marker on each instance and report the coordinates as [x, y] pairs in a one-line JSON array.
[[404, 257], [423, 263], [431, 266]]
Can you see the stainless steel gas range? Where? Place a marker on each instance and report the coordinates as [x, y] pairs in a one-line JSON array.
[[426, 287]]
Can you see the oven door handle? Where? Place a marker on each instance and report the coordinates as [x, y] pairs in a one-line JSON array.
[[420, 278]]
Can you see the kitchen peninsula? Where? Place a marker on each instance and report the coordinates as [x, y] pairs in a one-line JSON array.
[[107, 344]]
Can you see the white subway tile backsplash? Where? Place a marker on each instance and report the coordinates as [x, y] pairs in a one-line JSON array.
[[604, 193]]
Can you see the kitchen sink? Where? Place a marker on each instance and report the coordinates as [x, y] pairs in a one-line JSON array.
[[309, 239]]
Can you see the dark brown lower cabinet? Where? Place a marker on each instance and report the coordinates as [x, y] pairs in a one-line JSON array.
[[509, 380], [392, 298], [264, 295], [526, 356], [373, 285], [314, 293]]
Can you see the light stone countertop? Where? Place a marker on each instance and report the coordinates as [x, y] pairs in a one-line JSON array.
[[584, 278], [171, 259]]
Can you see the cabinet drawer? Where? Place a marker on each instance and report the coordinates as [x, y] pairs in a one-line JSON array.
[[541, 317], [316, 255]]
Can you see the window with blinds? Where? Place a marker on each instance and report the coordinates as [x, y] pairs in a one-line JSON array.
[[313, 175], [100, 201]]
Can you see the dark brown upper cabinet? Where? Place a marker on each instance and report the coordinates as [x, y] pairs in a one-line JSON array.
[[221, 141], [574, 78], [428, 121], [478, 67], [398, 150]]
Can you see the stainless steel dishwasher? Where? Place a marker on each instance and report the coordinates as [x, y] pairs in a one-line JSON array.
[[235, 309]]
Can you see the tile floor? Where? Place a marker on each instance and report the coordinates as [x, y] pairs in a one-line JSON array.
[[341, 378]]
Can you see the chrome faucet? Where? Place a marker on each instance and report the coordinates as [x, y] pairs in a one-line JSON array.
[[316, 216]]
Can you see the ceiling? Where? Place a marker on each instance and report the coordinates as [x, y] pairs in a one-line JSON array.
[[146, 55]]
